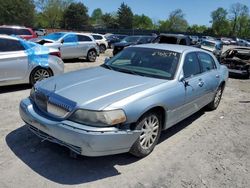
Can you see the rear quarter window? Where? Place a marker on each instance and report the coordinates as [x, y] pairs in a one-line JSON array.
[[8, 45]]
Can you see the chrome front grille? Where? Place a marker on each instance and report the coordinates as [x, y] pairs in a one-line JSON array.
[[53, 104]]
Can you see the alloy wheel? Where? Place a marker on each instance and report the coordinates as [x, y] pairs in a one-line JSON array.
[[150, 131], [41, 74]]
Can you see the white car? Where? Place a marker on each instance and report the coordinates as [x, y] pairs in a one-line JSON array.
[[101, 41], [41, 32], [27, 62], [72, 45]]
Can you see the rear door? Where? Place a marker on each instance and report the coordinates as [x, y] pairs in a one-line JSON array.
[[13, 60], [210, 75], [70, 46], [85, 43]]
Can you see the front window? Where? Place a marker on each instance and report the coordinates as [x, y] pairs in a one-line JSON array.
[[146, 62], [54, 36]]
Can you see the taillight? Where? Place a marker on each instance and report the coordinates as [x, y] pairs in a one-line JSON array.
[[58, 54]]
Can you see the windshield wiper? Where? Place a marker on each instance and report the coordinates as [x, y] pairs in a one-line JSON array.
[[107, 66], [128, 71]]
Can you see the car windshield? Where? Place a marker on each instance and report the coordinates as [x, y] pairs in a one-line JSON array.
[[148, 62], [54, 36], [208, 44], [130, 39]]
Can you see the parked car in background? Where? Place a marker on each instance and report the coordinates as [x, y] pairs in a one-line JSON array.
[[40, 32], [225, 41], [214, 46], [23, 32], [101, 41], [131, 40], [114, 39], [237, 60], [173, 39], [194, 39], [93, 114], [26, 62], [72, 45]]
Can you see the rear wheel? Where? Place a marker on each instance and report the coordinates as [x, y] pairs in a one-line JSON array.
[[217, 98], [150, 125], [91, 56], [39, 74]]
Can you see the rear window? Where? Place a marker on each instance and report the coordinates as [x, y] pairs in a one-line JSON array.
[[208, 44], [97, 37], [14, 31], [166, 39]]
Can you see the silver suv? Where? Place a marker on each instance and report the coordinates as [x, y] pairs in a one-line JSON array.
[[72, 45]]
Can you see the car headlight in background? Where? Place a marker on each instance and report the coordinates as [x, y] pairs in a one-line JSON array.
[[98, 118]]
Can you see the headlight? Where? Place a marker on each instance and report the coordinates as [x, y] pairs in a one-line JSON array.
[[98, 118]]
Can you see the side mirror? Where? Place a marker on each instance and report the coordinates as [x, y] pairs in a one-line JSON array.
[[184, 81], [106, 59], [62, 41]]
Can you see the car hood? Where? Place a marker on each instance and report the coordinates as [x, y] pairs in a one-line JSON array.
[[97, 88]]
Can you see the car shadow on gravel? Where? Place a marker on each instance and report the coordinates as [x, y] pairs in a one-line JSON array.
[[14, 88], [54, 163], [75, 60], [180, 126]]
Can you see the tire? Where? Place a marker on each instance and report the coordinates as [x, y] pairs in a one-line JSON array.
[[91, 56], [102, 48], [151, 125], [217, 98], [39, 74]]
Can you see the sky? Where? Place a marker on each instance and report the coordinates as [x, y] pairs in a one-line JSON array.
[[196, 11]]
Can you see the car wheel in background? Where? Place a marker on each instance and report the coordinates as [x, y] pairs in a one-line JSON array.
[[39, 74], [217, 98], [150, 124], [91, 56], [102, 48]]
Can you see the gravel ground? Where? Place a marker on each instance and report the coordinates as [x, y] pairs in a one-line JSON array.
[[209, 149]]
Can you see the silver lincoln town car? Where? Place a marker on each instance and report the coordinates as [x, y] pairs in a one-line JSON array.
[[124, 104]]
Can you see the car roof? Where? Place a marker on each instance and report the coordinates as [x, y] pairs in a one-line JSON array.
[[2, 36], [13, 27], [76, 33], [171, 47]]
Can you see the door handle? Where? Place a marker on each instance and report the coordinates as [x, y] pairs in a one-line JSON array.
[[201, 83]]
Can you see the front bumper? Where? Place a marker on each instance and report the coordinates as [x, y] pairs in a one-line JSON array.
[[84, 140]]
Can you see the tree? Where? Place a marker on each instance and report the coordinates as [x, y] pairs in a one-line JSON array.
[[20, 12], [238, 11], [142, 22], [96, 17], [175, 23], [196, 29], [50, 12], [110, 21], [220, 24], [125, 17], [76, 17]]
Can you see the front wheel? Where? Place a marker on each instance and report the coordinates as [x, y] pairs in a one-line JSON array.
[[39, 74], [217, 98], [91, 56], [150, 125]]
